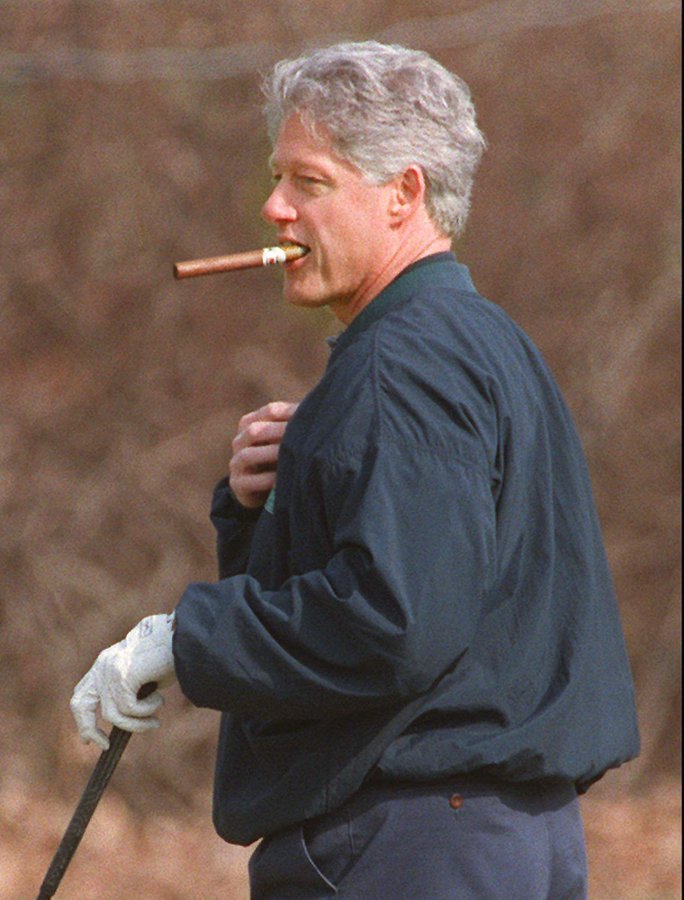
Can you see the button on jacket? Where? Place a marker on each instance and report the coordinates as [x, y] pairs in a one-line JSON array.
[[426, 591]]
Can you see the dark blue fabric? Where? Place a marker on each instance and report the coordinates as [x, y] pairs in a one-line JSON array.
[[457, 841], [426, 593]]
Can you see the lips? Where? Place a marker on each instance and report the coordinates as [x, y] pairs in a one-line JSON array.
[[288, 239], [283, 240]]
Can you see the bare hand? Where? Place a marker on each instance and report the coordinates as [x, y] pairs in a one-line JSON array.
[[255, 452]]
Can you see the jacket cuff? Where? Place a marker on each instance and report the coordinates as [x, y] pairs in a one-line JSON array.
[[225, 505]]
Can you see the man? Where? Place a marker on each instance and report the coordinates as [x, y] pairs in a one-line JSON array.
[[414, 641]]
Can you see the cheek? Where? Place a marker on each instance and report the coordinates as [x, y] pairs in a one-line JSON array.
[[356, 225], [347, 235]]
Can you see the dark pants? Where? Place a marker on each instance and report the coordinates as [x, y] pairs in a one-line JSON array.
[[458, 841]]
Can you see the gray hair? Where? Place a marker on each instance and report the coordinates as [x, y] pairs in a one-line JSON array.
[[385, 108]]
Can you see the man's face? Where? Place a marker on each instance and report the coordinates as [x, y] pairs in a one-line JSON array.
[[324, 202]]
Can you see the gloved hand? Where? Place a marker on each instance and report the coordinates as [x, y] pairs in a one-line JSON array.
[[144, 655]]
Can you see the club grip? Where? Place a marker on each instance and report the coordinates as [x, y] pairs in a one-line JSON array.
[[147, 689]]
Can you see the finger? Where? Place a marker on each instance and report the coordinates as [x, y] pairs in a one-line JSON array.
[[86, 724], [276, 411], [84, 703], [112, 713], [259, 433], [85, 716], [141, 709], [95, 736], [252, 460], [138, 726], [123, 702], [252, 490], [259, 483]]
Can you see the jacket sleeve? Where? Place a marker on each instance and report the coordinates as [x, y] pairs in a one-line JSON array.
[[234, 530], [393, 609]]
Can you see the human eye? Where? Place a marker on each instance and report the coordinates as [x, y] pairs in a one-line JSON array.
[[311, 183]]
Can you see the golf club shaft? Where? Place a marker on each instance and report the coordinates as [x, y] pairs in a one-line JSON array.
[[98, 781]]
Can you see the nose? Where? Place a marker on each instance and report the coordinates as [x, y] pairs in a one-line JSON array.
[[277, 209]]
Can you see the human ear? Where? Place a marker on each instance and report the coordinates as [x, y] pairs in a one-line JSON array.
[[408, 193]]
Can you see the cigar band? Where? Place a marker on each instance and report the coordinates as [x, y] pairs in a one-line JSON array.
[[272, 256]]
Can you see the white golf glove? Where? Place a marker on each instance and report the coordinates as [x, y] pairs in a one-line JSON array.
[[145, 655]]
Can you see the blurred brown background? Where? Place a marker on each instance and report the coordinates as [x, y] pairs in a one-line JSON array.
[[131, 137]]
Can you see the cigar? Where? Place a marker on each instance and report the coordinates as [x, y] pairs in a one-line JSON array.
[[252, 259]]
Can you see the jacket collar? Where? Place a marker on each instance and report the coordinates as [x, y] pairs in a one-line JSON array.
[[399, 290]]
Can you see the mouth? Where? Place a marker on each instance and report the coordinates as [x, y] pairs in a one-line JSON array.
[[298, 260]]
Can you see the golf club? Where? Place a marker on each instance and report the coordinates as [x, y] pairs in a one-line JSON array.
[[98, 781]]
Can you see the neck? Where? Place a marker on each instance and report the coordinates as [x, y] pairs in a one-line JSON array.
[[398, 259]]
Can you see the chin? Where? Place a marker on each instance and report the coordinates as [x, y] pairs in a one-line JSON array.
[[305, 299]]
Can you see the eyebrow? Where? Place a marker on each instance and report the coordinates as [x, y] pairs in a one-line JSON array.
[[300, 163]]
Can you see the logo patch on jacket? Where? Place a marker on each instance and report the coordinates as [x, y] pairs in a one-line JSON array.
[[269, 505]]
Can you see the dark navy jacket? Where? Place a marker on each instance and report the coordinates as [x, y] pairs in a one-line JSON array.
[[426, 592]]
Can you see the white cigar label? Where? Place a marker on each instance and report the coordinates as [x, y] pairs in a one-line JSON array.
[[271, 256]]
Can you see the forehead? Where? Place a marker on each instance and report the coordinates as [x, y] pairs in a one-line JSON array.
[[297, 146]]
